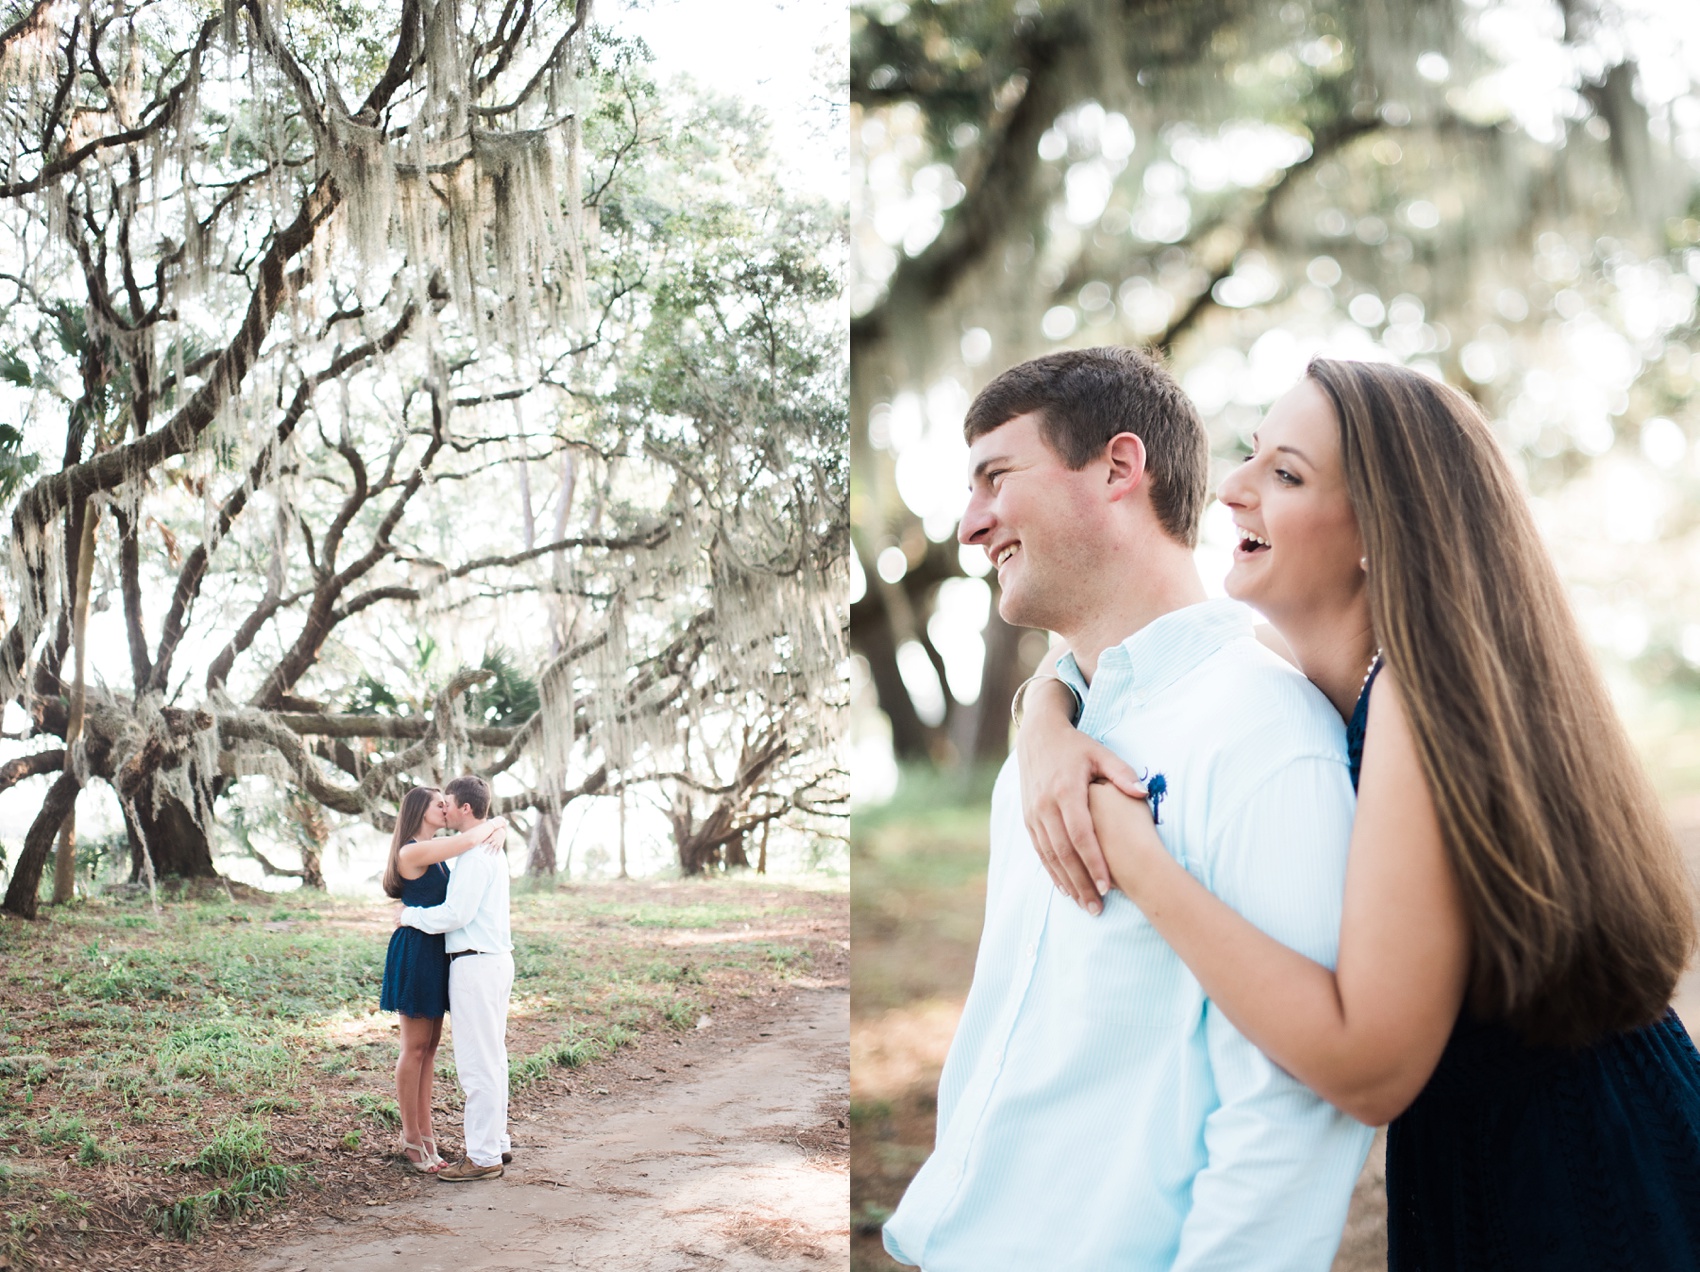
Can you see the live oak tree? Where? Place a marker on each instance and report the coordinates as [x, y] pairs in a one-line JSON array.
[[358, 328]]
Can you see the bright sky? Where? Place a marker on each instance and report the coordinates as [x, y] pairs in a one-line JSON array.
[[786, 56]]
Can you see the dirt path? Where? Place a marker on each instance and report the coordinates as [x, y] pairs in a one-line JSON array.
[[723, 1152]]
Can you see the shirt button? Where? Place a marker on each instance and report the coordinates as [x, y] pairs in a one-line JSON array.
[[1032, 948]]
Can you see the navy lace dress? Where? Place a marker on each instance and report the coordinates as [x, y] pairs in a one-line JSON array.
[[416, 971], [1517, 1158]]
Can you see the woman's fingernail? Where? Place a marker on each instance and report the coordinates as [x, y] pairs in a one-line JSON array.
[[1103, 888], [1094, 908]]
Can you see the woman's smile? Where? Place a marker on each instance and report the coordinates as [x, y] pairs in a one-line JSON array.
[[1250, 543], [1292, 488]]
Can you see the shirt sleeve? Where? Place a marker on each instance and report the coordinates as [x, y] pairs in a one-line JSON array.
[[1280, 1162], [468, 882]]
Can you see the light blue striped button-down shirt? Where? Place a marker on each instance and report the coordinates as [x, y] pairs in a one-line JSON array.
[[1096, 1110]]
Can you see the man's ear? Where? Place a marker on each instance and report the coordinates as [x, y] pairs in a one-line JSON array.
[[1125, 453]]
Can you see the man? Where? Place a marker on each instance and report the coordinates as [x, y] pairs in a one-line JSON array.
[[474, 916], [1096, 1111]]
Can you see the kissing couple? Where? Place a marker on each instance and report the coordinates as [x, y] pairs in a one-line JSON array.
[[1402, 865], [451, 949]]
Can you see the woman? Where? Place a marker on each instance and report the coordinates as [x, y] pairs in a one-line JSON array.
[[416, 970], [1515, 914]]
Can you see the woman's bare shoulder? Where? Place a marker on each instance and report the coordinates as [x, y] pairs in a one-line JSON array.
[[402, 866]]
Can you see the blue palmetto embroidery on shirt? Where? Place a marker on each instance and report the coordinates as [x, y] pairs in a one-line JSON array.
[[1156, 787]]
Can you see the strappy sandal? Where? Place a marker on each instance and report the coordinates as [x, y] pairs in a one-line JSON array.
[[429, 1164], [429, 1143]]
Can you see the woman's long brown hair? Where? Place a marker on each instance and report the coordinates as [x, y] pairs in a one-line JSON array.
[[408, 819], [1579, 909]]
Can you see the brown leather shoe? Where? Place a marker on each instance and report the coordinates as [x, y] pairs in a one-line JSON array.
[[466, 1169], [506, 1158]]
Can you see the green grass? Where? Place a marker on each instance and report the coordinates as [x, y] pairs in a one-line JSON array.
[[240, 1145], [239, 1154], [786, 959], [681, 1013], [930, 797], [220, 1049], [865, 1113], [136, 1047], [60, 1128], [706, 915], [672, 973], [188, 1217], [68, 1202], [572, 1052], [386, 1113], [915, 914]]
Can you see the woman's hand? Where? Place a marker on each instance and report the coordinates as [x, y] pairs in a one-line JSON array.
[[1128, 834], [1057, 763]]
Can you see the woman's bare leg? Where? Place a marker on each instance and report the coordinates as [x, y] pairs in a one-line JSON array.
[[417, 1045], [427, 1082]]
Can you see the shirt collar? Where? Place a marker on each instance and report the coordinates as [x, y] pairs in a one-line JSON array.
[[1164, 650]]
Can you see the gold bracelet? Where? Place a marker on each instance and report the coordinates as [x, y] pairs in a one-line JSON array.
[[1021, 692]]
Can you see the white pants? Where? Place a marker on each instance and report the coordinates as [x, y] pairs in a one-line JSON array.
[[478, 1011]]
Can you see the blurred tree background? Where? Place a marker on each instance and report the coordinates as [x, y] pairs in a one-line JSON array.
[[1501, 194]]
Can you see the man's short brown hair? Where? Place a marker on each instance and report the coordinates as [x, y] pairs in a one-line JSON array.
[[472, 791], [1084, 397]]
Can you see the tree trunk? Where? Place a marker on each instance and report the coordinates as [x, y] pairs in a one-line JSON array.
[[26, 877], [622, 825], [910, 738], [65, 863], [708, 845], [65, 860], [540, 863], [312, 873], [178, 846], [309, 814], [1003, 669], [732, 853]]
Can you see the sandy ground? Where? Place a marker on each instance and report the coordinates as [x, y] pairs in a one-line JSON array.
[[723, 1152]]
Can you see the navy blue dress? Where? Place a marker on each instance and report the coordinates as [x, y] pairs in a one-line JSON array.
[[416, 971], [1518, 1158]]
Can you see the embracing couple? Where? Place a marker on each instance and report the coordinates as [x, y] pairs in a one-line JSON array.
[[1402, 865], [451, 947]]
